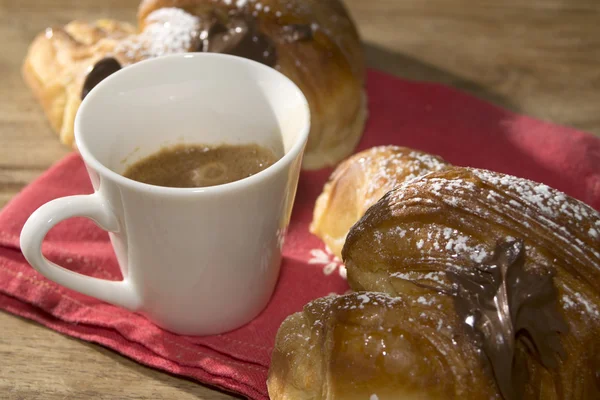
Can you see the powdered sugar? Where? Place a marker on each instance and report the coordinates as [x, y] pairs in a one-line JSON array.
[[361, 300], [426, 301], [573, 300], [394, 165], [536, 198], [364, 298], [432, 239], [590, 308], [550, 202], [437, 277], [490, 205], [508, 200], [568, 302], [167, 31], [478, 255]]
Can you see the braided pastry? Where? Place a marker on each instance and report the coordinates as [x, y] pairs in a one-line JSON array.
[[469, 284], [313, 42]]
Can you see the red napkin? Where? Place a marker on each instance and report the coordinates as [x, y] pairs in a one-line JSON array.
[[464, 130]]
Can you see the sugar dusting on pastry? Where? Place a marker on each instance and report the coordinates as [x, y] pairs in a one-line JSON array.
[[432, 278], [534, 204], [360, 181], [572, 300], [359, 300], [532, 197], [399, 165], [168, 31]]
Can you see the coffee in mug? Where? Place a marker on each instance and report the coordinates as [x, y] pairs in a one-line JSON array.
[[196, 165]]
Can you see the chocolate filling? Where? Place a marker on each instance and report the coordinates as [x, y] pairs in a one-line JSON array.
[[102, 69], [239, 36], [501, 303]]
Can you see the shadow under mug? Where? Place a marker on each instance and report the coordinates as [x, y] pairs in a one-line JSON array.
[[195, 261]]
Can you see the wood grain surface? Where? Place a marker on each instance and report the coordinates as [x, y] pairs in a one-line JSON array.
[[537, 57]]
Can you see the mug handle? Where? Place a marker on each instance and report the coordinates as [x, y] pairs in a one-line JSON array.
[[120, 293]]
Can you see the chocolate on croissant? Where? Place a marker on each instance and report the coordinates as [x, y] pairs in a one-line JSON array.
[[470, 284], [313, 42], [359, 182]]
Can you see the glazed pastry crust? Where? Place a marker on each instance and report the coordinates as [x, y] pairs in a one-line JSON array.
[[359, 182], [455, 217], [452, 219], [372, 346], [399, 334], [329, 68]]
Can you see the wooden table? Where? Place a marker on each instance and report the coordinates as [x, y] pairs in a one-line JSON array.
[[538, 57]]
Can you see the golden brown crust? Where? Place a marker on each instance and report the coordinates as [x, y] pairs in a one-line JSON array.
[[369, 345], [401, 336], [451, 220], [56, 64], [358, 182], [456, 216], [329, 68]]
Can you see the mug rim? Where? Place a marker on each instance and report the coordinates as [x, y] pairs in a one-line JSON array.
[[276, 167]]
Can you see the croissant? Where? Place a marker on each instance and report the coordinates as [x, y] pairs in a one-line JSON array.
[[358, 182], [372, 346], [469, 284], [313, 42]]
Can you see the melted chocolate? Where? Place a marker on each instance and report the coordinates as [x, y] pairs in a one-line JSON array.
[[241, 37], [101, 70], [502, 303], [238, 34]]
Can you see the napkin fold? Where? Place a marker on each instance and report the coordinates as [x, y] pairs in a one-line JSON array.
[[430, 117]]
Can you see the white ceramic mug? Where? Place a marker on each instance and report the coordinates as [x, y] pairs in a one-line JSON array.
[[195, 261]]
